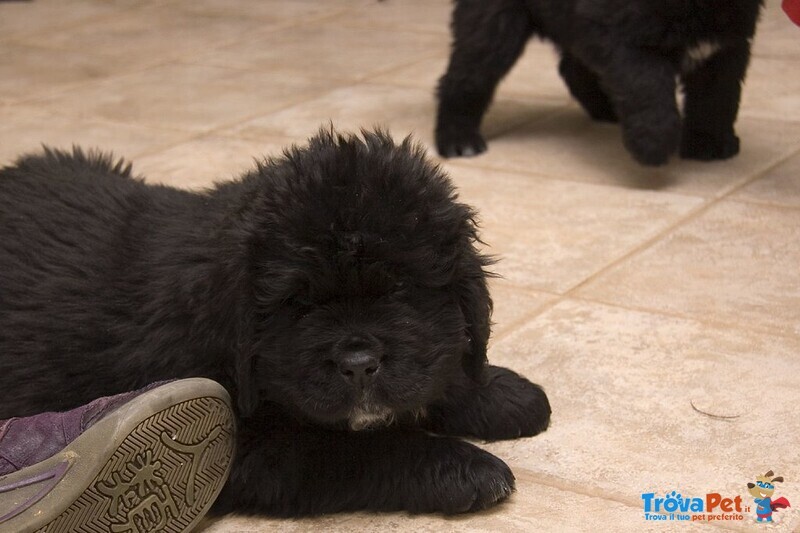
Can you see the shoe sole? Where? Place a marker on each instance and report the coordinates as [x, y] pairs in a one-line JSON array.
[[156, 463]]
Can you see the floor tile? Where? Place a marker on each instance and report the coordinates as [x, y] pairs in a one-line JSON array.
[[327, 50], [512, 305], [153, 34], [735, 263], [774, 97], [780, 185], [24, 130], [185, 97], [401, 110], [552, 235], [776, 36], [570, 146], [29, 71], [533, 77], [432, 16], [300, 11], [200, 163], [31, 18], [622, 385]]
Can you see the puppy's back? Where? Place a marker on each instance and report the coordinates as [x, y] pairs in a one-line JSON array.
[[76, 234], [60, 212]]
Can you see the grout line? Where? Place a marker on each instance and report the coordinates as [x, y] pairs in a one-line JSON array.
[[573, 292], [216, 130], [765, 203], [762, 330], [515, 325], [568, 486], [178, 58], [538, 175], [191, 131], [19, 38], [466, 164], [166, 146], [478, 164], [763, 173], [396, 68], [70, 87], [692, 215], [601, 494]]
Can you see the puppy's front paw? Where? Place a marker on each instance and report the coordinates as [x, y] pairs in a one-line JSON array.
[[453, 141], [520, 408], [503, 406], [460, 477], [704, 146]]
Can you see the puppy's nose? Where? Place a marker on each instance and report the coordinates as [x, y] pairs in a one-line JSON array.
[[359, 368]]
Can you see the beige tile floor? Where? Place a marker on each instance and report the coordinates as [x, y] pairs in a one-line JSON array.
[[637, 297]]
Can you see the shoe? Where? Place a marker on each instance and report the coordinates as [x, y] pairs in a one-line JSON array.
[[152, 460]]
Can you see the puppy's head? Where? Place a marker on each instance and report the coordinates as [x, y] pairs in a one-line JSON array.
[[366, 293]]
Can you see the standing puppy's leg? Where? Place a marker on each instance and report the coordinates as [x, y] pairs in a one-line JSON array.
[[712, 103], [584, 85], [642, 87], [488, 39]]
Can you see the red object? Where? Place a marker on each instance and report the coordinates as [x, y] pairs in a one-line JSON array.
[[780, 503], [792, 8]]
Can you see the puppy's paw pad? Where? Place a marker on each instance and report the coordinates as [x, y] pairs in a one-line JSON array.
[[702, 146]]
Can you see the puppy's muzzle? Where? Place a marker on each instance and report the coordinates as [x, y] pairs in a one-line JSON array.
[[359, 368], [359, 361]]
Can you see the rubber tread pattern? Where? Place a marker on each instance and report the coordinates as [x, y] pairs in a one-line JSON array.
[[164, 474]]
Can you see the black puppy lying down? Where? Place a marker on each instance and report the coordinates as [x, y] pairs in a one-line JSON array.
[[336, 292], [620, 60]]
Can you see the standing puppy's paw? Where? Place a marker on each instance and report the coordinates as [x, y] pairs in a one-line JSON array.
[[603, 113], [652, 137], [704, 146], [459, 142], [459, 477]]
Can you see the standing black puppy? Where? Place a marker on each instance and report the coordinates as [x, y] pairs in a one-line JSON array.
[[336, 292], [620, 60]]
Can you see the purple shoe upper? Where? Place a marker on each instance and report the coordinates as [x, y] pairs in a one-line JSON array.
[[27, 441]]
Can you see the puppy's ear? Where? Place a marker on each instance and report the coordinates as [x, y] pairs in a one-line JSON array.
[[476, 305]]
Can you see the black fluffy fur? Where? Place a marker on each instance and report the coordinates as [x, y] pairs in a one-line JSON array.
[[620, 60], [351, 245]]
